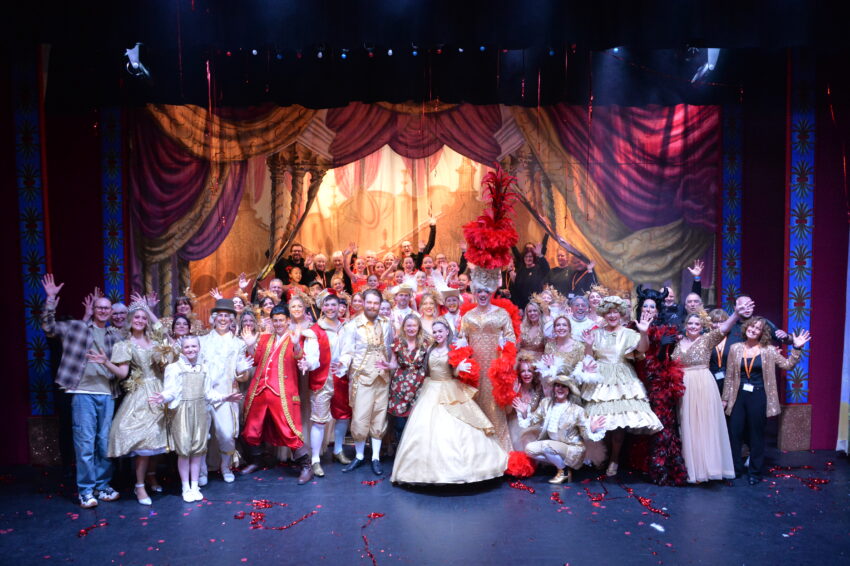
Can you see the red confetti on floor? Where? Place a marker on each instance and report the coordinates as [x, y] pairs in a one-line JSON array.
[[87, 530], [369, 553], [519, 485], [258, 518]]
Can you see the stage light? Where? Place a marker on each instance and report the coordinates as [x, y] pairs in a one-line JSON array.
[[414, 49], [712, 54], [482, 48], [344, 54], [254, 52], [414, 53], [389, 52], [134, 62], [616, 50], [460, 49], [279, 56], [320, 54], [551, 52]]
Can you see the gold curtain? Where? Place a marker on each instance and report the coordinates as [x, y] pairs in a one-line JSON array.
[[651, 255]]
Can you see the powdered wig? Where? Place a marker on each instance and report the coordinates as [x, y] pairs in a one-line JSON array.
[[612, 302]]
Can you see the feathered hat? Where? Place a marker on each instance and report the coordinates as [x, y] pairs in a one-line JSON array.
[[491, 236]]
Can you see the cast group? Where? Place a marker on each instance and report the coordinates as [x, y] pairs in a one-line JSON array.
[[470, 372]]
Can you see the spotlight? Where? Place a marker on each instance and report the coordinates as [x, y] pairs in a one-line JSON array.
[[439, 49], [712, 54], [134, 63], [320, 54], [551, 52], [616, 50], [389, 52], [415, 49], [460, 49], [344, 54], [279, 56], [254, 52], [482, 48]]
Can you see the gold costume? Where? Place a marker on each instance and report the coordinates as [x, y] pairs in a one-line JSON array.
[[482, 332], [448, 439], [139, 427]]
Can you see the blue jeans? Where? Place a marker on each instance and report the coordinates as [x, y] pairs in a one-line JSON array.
[[91, 416]]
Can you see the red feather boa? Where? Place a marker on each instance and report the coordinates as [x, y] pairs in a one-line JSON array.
[[520, 465], [502, 373], [456, 356]]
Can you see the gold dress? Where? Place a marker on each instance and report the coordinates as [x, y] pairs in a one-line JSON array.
[[189, 388], [702, 424], [448, 439], [618, 395], [139, 427], [568, 360], [532, 342], [522, 434], [482, 332]]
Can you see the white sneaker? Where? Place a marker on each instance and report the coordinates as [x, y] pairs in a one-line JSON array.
[[228, 477], [202, 480], [197, 495], [188, 496]]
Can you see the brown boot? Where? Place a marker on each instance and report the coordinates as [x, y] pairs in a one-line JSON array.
[[306, 470]]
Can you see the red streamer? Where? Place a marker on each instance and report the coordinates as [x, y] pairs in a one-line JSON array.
[[813, 483], [645, 501], [369, 553], [556, 498], [258, 518], [87, 530], [519, 485], [372, 483]]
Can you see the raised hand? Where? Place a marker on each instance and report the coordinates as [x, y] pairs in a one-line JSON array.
[[587, 337], [50, 286], [152, 299], [696, 270], [137, 298], [249, 337], [548, 359], [96, 357], [645, 319], [590, 366], [432, 220], [538, 249], [520, 406], [464, 366], [215, 293], [88, 305], [97, 293], [597, 423], [742, 306], [243, 281], [801, 338]]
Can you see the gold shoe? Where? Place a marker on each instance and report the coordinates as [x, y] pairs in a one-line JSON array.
[[612, 469], [561, 477], [341, 458], [317, 470]]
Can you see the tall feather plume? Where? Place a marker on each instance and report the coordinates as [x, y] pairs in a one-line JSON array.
[[490, 237]]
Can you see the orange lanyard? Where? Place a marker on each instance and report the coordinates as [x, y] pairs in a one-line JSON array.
[[749, 368], [579, 279], [719, 351]]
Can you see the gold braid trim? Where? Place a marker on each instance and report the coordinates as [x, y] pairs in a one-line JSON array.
[[281, 376], [268, 352]]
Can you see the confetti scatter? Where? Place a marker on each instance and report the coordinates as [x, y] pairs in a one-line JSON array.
[[812, 483], [645, 501], [369, 553], [258, 518], [372, 483], [87, 530], [521, 486], [556, 498]]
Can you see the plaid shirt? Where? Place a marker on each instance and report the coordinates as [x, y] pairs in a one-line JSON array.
[[77, 340]]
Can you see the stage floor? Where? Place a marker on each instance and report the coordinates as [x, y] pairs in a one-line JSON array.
[[789, 520]]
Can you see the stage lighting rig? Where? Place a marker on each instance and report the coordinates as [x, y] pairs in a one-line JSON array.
[[134, 62], [712, 54]]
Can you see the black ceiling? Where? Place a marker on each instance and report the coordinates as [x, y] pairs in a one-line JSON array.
[[535, 51]]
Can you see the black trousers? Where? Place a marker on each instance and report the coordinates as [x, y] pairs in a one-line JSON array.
[[749, 417]]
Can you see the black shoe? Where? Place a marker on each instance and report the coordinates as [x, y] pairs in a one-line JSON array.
[[754, 480], [377, 467], [356, 463]]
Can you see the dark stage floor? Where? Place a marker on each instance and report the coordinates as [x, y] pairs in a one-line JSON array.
[[787, 520]]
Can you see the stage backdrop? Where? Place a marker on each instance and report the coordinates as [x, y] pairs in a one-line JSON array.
[[634, 189]]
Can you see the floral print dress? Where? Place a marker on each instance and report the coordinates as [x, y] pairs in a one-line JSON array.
[[407, 379]]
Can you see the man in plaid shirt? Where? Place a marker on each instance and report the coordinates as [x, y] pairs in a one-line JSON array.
[[93, 387]]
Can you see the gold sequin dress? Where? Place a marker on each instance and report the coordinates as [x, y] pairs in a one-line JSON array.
[[618, 395], [702, 423], [447, 439], [482, 332], [568, 359], [532, 342], [139, 427]]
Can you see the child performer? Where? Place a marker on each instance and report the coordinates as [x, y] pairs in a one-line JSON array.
[[187, 390]]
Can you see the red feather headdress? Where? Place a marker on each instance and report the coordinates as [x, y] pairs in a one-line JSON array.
[[490, 237]]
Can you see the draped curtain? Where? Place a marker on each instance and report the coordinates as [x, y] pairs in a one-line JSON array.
[[634, 189]]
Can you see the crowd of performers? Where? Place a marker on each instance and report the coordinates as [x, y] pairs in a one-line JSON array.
[[476, 373]]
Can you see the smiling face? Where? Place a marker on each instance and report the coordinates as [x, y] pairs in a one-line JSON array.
[[338, 284], [402, 300], [295, 275], [297, 252], [386, 309], [452, 303], [320, 262], [139, 321], [190, 346], [222, 321], [372, 281], [330, 307], [532, 313], [183, 307], [119, 316], [528, 259], [411, 327], [463, 281], [579, 307], [238, 304], [612, 318], [753, 331], [357, 303], [563, 260], [296, 309], [594, 298], [280, 324], [428, 306], [440, 333], [482, 296], [180, 327], [561, 327], [276, 287], [649, 306], [267, 304], [526, 373], [560, 392], [371, 303], [408, 264], [427, 264], [693, 326]]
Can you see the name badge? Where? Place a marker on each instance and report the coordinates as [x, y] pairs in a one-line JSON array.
[[748, 387], [720, 375]]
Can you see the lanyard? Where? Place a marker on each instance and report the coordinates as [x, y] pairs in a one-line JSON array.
[[719, 351], [579, 279], [749, 368]]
